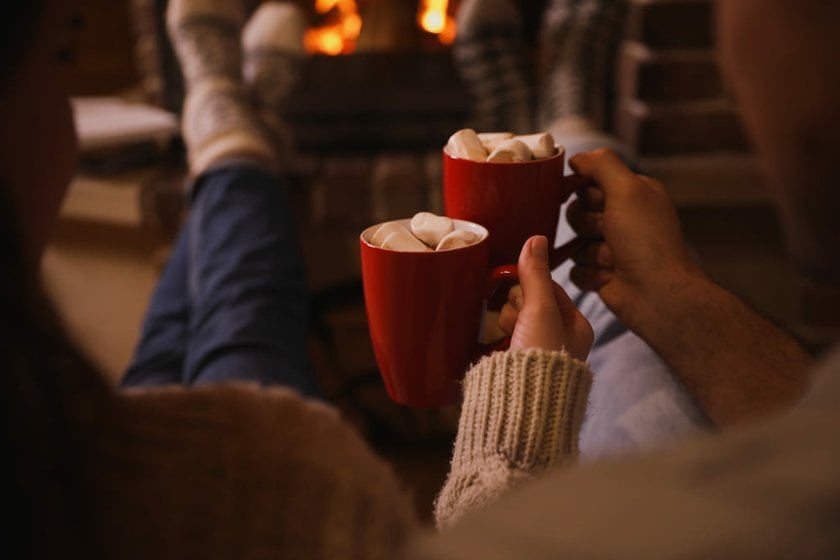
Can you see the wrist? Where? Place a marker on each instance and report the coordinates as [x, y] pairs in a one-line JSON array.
[[526, 405], [661, 311]]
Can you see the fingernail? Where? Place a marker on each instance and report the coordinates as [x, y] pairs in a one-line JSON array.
[[539, 247]]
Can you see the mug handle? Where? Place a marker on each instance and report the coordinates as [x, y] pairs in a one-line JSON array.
[[564, 252], [501, 276], [558, 255]]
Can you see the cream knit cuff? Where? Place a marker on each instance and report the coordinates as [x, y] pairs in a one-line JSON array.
[[521, 416], [526, 405]]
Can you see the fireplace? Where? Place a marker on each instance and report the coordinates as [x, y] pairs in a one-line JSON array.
[[368, 122], [377, 101], [379, 76], [392, 86]]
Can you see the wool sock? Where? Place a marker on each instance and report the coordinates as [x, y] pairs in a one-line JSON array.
[[272, 43], [578, 41], [489, 55], [218, 121]]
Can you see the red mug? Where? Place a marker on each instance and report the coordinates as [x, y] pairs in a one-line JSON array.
[[425, 312], [512, 200]]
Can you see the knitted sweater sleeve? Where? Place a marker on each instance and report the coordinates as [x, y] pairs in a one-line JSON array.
[[521, 416]]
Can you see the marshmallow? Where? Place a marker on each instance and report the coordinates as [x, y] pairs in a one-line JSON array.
[[429, 228], [541, 144], [465, 144], [386, 229], [458, 238], [404, 241], [510, 151], [492, 139], [427, 231]]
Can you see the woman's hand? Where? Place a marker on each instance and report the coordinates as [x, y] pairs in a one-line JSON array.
[[635, 257], [539, 314]]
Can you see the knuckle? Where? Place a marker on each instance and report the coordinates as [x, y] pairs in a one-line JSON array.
[[655, 184], [601, 153], [634, 182]]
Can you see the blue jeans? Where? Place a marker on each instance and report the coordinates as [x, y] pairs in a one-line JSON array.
[[232, 302]]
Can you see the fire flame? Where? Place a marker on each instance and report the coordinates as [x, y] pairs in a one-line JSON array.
[[434, 18], [344, 24], [340, 34]]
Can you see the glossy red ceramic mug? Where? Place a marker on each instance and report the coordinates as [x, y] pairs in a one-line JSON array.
[[424, 313], [512, 200]]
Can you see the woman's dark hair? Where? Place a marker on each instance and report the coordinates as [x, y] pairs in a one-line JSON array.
[[50, 402], [17, 26], [48, 391]]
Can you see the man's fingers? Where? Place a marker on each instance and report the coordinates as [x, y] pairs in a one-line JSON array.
[[654, 184], [589, 278], [611, 174], [592, 198], [586, 224], [596, 255]]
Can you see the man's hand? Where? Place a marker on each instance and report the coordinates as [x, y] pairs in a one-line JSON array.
[[636, 254], [736, 364], [539, 314]]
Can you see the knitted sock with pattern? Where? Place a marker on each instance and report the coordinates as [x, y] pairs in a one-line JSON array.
[[218, 121], [489, 55], [578, 40], [272, 43]]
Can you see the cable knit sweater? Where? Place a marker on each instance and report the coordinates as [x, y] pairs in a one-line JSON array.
[[240, 471], [521, 415]]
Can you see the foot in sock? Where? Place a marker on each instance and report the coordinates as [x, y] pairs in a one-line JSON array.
[[489, 56], [272, 44], [578, 39], [219, 122]]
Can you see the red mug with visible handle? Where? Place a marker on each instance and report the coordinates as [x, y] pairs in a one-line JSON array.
[[424, 313], [512, 200]]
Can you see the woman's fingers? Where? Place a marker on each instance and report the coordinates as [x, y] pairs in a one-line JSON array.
[[534, 273], [546, 318], [515, 297], [539, 322], [507, 318]]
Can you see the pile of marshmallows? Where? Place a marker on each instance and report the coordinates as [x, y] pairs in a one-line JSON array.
[[500, 147], [428, 232]]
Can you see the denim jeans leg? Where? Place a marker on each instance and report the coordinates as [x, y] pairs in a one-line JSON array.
[[159, 356], [248, 296]]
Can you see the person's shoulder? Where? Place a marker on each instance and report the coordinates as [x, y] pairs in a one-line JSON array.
[[250, 422], [225, 406], [217, 451]]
